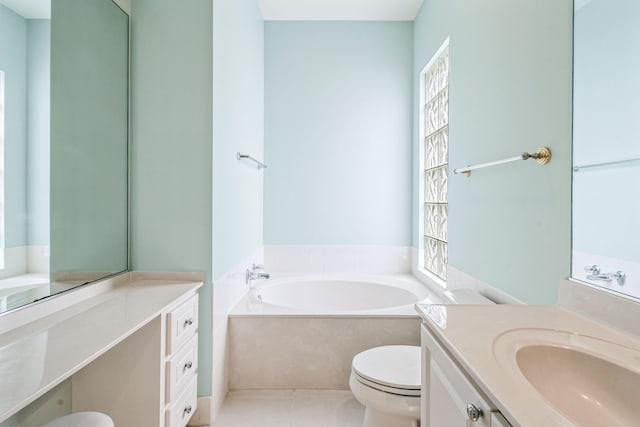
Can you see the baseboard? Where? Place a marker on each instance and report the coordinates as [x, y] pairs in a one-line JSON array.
[[204, 412]]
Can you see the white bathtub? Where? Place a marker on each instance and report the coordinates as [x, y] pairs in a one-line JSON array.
[[301, 332], [336, 294]]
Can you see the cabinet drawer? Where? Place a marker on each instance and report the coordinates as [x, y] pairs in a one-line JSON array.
[[181, 368], [497, 420], [182, 324], [450, 391], [180, 412]]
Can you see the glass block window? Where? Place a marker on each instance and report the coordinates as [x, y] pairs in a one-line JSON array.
[[436, 158], [2, 169]]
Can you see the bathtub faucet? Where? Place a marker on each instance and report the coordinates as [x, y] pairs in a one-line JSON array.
[[255, 272]]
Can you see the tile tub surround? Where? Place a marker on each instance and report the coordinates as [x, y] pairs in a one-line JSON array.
[[319, 259], [307, 351], [291, 408], [228, 290], [458, 279], [24, 260]]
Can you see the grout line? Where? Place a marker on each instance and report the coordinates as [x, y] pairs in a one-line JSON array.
[[293, 404]]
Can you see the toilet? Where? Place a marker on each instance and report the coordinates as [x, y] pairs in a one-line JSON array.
[[386, 380], [82, 419]]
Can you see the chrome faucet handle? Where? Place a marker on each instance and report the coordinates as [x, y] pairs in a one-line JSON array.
[[255, 267], [605, 277], [593, 269], [620, 277]]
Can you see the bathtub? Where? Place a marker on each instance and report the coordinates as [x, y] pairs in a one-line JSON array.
[[326, 295], [301, 332]]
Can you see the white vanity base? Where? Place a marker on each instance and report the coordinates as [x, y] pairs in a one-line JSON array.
[[129, 346]]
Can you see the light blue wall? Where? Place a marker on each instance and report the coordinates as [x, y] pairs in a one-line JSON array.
[[338, 133], [510, 92], [38, 118], [171, 201], [238, 126], [606, 128], [13, 61]]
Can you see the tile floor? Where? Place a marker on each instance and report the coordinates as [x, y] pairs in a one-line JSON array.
[[290, 408]]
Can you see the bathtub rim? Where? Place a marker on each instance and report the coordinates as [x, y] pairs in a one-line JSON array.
[[250, 306]]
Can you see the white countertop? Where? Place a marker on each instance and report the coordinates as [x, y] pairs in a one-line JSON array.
[[37, 356], [469, 333]]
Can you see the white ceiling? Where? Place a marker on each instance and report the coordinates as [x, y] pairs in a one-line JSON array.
[[30, 9], [287, 10], [339, 10]]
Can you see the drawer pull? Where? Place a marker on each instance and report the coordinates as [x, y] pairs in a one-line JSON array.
[[188, 365], [188, 410], [188, 322], [473, 412]]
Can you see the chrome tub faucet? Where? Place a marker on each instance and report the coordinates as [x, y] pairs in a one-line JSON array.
[[254, 273]]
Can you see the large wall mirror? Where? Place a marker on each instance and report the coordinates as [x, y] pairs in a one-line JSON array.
[[606, 145], [64, 145]]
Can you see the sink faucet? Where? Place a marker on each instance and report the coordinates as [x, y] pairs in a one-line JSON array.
[[255, 272], [620, 276]]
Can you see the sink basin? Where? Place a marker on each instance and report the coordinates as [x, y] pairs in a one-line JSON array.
[[588, 390], [588, 381]]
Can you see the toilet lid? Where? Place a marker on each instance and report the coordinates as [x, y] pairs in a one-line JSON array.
[[395, 366]]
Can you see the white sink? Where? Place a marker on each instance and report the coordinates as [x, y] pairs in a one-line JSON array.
[[586, 389], [591, 382]]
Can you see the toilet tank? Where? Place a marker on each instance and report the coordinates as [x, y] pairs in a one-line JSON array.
[[464, 296]]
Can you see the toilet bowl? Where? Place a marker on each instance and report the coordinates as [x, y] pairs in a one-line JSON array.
[[386, 380], [82, 419]]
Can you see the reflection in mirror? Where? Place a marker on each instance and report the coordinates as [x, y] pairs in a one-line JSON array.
[[89, 98], [24, 140], [606, 145], [66, 156]]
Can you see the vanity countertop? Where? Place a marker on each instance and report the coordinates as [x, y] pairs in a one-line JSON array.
[[37, 356], [472, 335]]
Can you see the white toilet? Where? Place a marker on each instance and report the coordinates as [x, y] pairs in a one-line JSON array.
[[82, 419], [386, 380]]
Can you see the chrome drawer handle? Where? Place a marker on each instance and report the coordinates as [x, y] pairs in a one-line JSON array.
[[188, 322], [188, 410], [188, 365], [473, 412]]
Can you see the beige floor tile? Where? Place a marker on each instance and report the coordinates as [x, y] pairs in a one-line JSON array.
[[316, 408], [255, 411], [260, 393], [290, 408]]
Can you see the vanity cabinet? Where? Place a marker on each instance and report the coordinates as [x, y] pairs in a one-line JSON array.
[[181, 363], [449, 397], [149, 379], [128, 344]]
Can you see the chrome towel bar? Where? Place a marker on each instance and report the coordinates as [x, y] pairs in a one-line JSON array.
[[578, 168], [258, 163], [543, 156]]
